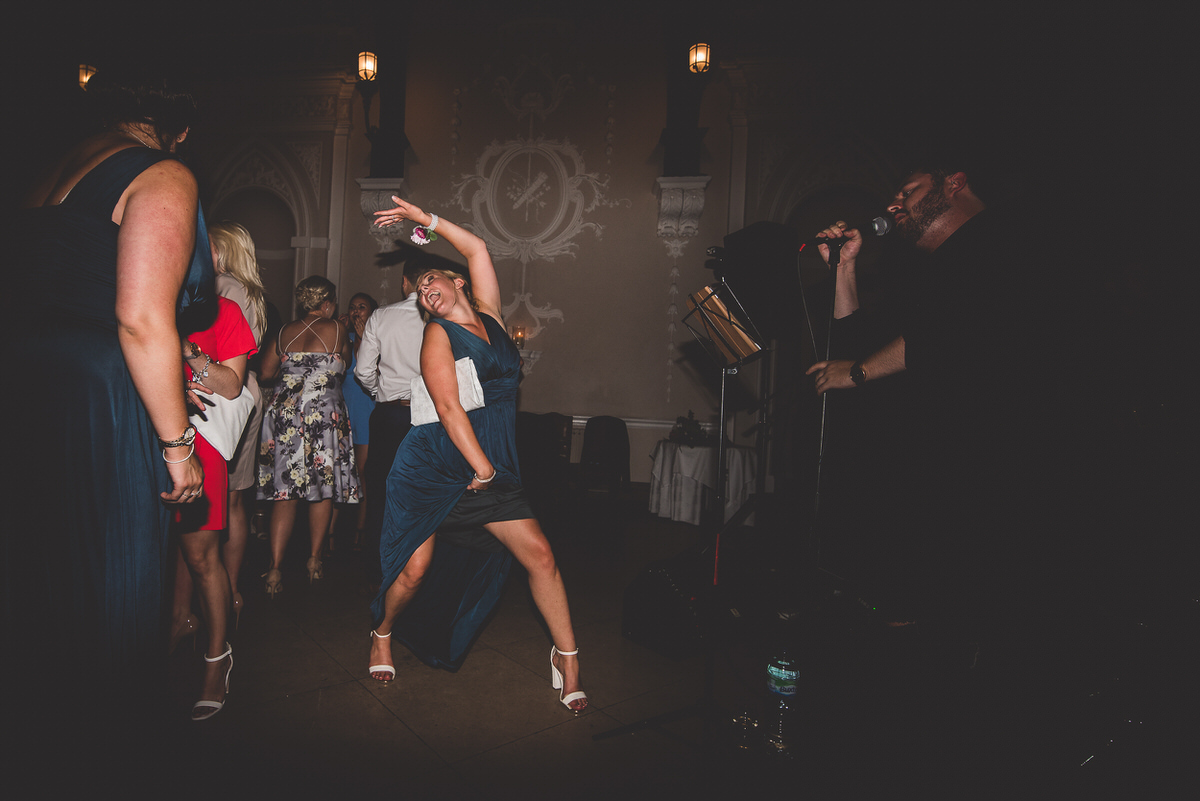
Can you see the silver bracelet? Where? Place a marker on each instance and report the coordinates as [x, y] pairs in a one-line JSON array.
[[203, 374], [191, 450], [489, 479]]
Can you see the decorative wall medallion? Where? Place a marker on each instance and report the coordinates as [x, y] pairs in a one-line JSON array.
[[528, 199]]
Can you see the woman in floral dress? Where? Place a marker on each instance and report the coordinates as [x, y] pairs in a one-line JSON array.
[[306, 452]]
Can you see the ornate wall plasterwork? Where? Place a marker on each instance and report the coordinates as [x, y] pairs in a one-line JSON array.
[[680, 204], [302, 106], [529, 197], [309, 155], [375, 194], [259, 167]]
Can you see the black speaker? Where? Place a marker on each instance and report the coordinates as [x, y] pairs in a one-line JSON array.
[[759, 265], [662, 607]]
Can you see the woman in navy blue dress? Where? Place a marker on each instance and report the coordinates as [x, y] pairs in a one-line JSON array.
[[459, 477], [111, 240]]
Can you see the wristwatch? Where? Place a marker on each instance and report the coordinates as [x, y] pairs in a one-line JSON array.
[[857, 375], [187, 438]]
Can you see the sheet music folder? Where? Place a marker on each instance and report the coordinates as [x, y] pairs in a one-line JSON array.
[[715, 310]]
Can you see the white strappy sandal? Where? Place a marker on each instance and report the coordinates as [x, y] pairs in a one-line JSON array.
[[200, 708], [382, 668], [556, 682]]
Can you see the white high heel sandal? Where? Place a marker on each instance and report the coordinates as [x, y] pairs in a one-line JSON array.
[[382, 668], [556, 681], [215, 706]]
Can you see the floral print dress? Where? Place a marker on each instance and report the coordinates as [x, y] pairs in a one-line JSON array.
[[306, 451]]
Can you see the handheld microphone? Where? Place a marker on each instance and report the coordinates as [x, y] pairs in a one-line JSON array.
[[878, 226]]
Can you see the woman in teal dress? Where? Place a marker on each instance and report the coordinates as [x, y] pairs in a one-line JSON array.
[[459, 477], [102, 256]]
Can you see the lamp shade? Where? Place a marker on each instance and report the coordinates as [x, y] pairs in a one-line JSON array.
[[698, 57], [367, 65], [86, 71]]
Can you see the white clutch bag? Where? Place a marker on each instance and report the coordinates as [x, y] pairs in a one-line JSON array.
[[470, 393], [223, 420]]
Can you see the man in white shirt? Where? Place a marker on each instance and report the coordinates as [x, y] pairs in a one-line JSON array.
[[388, 359]]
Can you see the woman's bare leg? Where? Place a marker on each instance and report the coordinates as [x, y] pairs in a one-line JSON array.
[[320, 520], [525, 540], [283, 520], [233, 552], [395, 600], [181, 604], [202, 552], [360, 460]]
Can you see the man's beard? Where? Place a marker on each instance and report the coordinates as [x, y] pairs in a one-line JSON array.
[[923, 215]]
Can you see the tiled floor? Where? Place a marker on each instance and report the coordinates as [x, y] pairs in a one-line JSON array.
[[881, 712], [304, 714]]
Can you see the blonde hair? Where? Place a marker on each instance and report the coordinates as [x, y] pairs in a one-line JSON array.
[[315, 290], [235, 257], [451, 275]]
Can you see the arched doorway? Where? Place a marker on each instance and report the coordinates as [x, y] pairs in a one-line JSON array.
[[272, 226]]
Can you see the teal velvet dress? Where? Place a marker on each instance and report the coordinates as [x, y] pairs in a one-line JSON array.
[[84, 563], [428, 481]]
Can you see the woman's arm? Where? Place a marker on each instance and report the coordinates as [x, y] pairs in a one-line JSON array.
[[484, 284], [225, 378], [437, 370], [154, 249], [343, 337], [272, 364]]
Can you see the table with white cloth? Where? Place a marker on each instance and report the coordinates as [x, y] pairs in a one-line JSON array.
[[684, 476]]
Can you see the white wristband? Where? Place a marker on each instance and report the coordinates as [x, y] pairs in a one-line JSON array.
[[432, 224], [192, 450]]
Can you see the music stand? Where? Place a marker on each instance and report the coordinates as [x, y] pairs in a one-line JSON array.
[[717, 323]]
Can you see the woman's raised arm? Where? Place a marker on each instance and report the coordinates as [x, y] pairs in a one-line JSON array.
[[484, 285]]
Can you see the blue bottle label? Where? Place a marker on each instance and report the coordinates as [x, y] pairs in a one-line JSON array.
[[782, 679]]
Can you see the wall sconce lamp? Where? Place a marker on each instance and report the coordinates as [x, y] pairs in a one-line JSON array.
[[86, 71], [699, 56], [367, 69], [518, 336]]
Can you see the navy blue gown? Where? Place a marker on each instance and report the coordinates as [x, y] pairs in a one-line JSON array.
[[84, 566], [428, 479]]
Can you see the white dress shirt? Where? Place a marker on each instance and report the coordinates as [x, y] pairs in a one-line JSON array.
[[389, 357]]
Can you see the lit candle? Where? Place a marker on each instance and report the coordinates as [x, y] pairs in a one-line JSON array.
[[518, 336]]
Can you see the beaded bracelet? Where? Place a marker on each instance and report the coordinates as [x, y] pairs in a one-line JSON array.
[[191, 450]]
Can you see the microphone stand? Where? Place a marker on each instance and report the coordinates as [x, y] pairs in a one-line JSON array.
[[733, 344], [835, 257]]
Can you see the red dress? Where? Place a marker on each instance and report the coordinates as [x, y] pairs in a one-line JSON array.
[[229, 336]]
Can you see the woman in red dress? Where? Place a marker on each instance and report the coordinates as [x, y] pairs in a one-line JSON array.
[[215, 362]]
